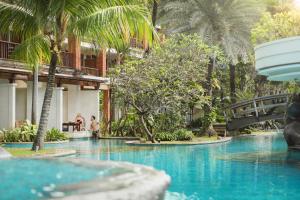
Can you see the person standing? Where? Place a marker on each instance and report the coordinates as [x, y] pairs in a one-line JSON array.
[[94, 127]]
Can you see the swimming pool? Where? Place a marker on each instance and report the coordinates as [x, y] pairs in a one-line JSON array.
[[245, 168]]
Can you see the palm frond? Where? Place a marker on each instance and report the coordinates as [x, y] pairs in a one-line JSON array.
[[33, 51]]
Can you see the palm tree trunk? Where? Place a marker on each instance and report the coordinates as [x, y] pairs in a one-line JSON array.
[[232, 83], [34, 96], [154, 12], [39, 140], [210, 70], [208, 107]]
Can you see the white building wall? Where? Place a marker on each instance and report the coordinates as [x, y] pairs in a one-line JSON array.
[[85, 102], [56, 109], [7, 105], [21, 103]]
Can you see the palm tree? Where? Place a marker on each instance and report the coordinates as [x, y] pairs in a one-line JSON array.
[[224, 23], [44, 24]]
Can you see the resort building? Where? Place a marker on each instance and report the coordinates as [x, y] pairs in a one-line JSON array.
[[79, 77]]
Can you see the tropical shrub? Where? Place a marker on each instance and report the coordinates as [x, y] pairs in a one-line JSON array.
[[166, 136], [178, 135], [183, 135], [128, 125], [55, 135], [27, 133]]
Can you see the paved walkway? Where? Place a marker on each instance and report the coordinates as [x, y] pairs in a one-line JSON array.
[[4, 153]]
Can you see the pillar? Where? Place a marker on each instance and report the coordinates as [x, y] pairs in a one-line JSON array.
[[102, 67], [74, 49], [106, 111], [101, 63], [8, 105], [59, 107]]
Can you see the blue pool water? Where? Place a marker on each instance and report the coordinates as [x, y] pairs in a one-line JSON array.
[[246, 168], [34, 179]]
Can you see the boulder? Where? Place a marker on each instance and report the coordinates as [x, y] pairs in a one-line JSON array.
[[292, 128], [292, 134]]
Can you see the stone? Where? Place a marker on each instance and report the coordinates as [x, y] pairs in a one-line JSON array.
[[292, 129], [292, 134]]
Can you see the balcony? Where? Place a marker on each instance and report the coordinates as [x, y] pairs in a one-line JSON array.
[[88, 62], [279, 60]]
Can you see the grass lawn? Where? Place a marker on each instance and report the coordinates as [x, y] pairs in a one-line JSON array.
[[24, 152]]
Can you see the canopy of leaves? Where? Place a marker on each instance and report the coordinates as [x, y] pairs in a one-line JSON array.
[[224, 23], [169, 80], [277, 26], [43, 25]]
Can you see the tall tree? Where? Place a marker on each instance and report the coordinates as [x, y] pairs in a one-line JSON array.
[[44, 24], [168, 81], [225, 23]]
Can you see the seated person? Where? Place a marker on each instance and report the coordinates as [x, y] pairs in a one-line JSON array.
[[81, 121], [94, 127]]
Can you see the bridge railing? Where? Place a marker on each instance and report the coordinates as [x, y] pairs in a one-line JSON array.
[[257, 106]]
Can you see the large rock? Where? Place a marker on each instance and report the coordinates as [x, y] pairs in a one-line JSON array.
[[292, 128], [292, 134]]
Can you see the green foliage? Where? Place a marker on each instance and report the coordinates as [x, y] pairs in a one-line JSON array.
[[183, 135], [27, 133], [225, 23], [165, 136], [208, 119], [55, 135], [178, 135], [162, 87], [128, 126], [277, 26], [168, 121]]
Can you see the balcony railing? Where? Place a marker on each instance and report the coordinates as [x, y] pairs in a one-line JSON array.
[[90, 71], [67, 59], [6, 49]]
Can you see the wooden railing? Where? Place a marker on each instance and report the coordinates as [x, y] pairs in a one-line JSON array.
[[6, 49], [258, 105], [256, 110], [90, 71], [67, 59]]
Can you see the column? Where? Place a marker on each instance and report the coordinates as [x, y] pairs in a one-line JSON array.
[[102, 67], [101, 63], [74, 49], [7, 105], [106, 110], [59, 107]]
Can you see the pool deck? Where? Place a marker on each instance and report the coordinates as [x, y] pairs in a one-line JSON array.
[[4, 153], [138, 143]]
